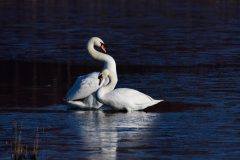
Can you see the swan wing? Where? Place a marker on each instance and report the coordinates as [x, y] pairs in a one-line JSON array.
[[83, 87]]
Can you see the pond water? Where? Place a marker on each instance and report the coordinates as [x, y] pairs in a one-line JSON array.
[[186, 53]]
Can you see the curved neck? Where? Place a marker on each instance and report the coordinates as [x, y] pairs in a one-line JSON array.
[[109, 62], [109, 87]]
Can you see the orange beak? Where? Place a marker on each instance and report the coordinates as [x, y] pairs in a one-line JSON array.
[[103, 48]]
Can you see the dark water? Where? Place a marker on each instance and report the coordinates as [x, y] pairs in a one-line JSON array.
[[186, 53]]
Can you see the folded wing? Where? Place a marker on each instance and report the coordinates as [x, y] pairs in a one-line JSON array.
[[83, 87]]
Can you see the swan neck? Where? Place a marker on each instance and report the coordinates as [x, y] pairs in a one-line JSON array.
[[94, 53], [109, 61], [109, 87]]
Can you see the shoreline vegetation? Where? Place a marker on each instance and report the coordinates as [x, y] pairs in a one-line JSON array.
[[20, 148]]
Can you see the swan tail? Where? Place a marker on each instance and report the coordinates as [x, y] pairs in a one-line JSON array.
[[154, 102], [158, 101], [143, 106]]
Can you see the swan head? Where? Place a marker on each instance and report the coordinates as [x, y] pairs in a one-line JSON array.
[[98, 42], [104, 74]]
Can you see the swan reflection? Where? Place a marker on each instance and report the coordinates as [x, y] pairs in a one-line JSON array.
[[105, 133]]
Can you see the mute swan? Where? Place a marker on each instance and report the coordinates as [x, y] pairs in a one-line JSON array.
[[122, 98], [82, 93]]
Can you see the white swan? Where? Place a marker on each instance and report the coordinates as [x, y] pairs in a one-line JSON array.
[[82, 93], [122, 98]]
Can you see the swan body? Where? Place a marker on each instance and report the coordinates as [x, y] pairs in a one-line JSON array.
[[129, 99], [122, 98], [82, 93]]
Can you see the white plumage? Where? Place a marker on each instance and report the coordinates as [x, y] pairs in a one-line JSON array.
[[122, 98], [87, 93], [84, 86], [82, 93], [129, 99]]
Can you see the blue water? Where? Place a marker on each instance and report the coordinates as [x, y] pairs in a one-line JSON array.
[[186, 53]]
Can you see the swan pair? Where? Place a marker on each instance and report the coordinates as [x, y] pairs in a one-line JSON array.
[[92, 90]]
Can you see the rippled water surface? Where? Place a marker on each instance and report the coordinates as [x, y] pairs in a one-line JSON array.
[[186, 53]]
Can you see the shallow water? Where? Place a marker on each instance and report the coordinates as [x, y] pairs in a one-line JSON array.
[[185, 53]]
